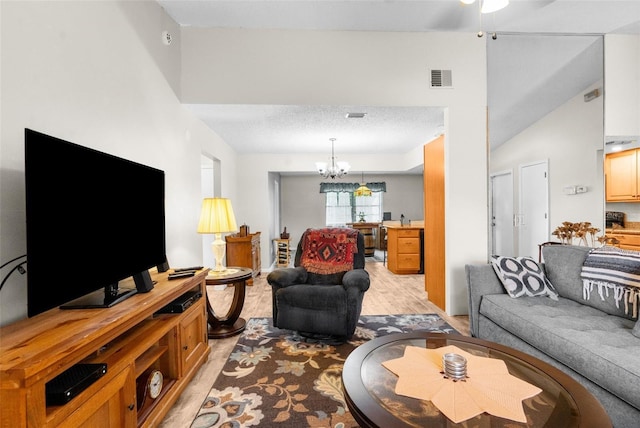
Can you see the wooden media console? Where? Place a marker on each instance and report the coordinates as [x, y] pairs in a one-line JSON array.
[[132, 338]]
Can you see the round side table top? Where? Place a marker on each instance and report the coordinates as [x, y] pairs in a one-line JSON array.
[[231, 274]]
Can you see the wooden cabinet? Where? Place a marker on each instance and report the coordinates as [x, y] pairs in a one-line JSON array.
[[244, 251], [404, 249], [627, 241], [131, 338], [283, 252], [622, 176]]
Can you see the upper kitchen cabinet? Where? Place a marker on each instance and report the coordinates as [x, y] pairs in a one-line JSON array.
[[622, 177], [622, 85]]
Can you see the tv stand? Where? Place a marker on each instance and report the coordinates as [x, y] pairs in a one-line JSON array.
[[131, 338]]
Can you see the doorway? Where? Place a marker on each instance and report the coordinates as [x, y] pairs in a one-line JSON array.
[[501, 196], [533, 224]]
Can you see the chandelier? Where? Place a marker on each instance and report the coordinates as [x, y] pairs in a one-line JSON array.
[[363, 190], [335, 169], [489, 6]]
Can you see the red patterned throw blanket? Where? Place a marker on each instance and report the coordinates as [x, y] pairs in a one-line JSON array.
[[330, 250]]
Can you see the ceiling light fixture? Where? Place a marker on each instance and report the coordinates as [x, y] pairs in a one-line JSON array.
[[363, 190], [489, 6], [335, 169]]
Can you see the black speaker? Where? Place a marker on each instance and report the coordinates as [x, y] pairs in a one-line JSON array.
[[143, 281], [164, 266]]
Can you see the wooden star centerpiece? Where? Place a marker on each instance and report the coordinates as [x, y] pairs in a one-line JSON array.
[[488, 387]]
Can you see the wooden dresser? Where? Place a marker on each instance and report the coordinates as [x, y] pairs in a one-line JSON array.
[[404, 249], [244, 251], [131, 338]]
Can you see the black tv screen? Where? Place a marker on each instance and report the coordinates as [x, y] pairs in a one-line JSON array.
[[93, 219]]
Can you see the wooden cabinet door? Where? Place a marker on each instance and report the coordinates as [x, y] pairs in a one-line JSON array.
[[621, 175], [114, 406], [193, 339]]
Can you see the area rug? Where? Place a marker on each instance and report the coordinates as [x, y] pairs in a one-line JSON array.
[[276, 377]]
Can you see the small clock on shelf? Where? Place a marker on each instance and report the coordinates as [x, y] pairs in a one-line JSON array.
[[149, 386]]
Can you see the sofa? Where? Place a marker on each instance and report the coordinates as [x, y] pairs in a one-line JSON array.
[[590, 333]]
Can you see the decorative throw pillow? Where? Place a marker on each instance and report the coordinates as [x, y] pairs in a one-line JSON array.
[[522, 276]]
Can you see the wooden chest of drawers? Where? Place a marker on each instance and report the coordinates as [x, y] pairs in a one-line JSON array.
[[244, 251], [404, 249]]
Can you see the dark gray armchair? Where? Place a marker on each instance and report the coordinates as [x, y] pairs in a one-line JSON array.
[[322, 295]]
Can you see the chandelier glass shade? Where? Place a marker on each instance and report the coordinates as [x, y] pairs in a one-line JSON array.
[[489, 6], [363, 190], [333, 169]]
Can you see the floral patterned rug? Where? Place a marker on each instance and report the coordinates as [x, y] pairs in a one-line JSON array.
[[276, 377]]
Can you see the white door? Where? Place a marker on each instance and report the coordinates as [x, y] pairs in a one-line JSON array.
[[501, 188], [534, 208]]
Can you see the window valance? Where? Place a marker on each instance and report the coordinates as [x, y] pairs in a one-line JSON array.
[[351, 187]]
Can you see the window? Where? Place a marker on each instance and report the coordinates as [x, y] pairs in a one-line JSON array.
[[343, 208]]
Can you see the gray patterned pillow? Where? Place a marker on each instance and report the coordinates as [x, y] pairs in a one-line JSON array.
[[522, 276]]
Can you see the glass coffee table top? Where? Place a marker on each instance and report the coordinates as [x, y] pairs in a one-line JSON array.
[[369, 387]]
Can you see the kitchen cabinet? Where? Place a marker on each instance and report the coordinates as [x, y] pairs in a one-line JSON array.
[[622, 178], [404, 249], [627, 241]]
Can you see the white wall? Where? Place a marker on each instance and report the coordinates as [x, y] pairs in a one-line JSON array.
[[356, 68], [622, 82], [571, 138], [97, 74]]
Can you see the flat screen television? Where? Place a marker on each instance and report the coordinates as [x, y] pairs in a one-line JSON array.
[[93, 219]]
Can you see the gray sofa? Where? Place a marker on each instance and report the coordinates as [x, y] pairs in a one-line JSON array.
[[590, 338]]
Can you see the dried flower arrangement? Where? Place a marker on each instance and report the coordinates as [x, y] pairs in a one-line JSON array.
[[582, 231]]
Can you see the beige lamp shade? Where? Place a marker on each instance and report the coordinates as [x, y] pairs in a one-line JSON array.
[[217, 216]]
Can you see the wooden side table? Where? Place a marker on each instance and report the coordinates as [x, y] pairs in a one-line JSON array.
[[230, 324]]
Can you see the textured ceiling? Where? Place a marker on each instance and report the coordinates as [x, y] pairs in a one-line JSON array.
[[307, 129], [526, 78]]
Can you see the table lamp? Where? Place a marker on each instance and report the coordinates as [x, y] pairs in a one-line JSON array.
[[217, 217]]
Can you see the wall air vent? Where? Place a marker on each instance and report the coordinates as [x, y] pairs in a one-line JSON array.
[[441, 79]]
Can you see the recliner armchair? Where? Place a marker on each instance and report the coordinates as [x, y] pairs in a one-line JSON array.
[[322, 294]]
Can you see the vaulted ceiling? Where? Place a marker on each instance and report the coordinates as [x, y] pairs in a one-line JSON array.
[[521, 88]]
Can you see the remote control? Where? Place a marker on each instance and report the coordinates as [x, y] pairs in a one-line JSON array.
[[181, 274], [187, 269]]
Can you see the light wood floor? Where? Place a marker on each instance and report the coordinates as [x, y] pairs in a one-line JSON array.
[[388, 294]]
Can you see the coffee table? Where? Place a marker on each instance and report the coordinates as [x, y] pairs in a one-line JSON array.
[[369, 387]]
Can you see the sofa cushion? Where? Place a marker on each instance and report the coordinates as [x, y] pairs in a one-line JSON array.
[[522, 276], [599, 346], [563, 266]]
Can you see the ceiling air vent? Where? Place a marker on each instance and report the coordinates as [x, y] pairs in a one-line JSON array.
[[441, 79]]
